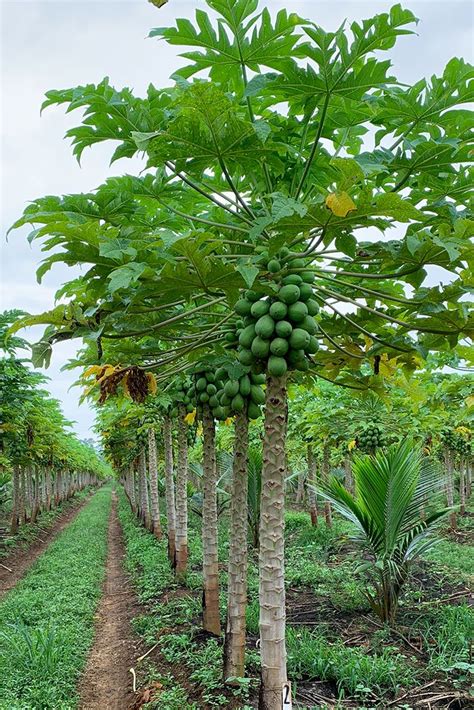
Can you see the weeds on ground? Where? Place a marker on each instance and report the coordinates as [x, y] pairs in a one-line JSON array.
[[40, 659]]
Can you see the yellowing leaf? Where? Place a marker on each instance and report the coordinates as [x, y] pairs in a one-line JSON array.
[[189, 418], [387, 367], [229, 421], [351, 445], [470, 401], [152, 386], [92, 370], [199, 430], [368, 342], [340, 203]]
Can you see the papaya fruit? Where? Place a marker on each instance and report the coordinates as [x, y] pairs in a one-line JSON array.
[[289, 294], [265, 326], [260, 347], [297, 312], [259, 308], [278, 310], [299, 339], [279, 346], [283, 329], [277, 366]]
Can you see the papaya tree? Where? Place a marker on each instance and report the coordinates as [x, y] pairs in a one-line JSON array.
[[276, 201]]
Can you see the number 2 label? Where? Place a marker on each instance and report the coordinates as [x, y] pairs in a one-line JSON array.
[[286, 697]]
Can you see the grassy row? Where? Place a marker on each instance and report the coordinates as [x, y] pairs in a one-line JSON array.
[[28, 533], [47, 620], [317, 563]]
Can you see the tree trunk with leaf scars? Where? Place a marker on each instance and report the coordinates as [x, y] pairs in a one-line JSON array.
[[449, 465], [182, 496], [48, 487], [28, 492], [468, 479], [21, 503], [462, 486], [210, 566], [169, 491], [311, 485], [325, 477], [300, 491], [153, 469], [15, 500], [234, 647], [271, 557], [36, 484], [348, 480], [143, 488]]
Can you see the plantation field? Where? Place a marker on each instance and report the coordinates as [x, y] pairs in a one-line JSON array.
[[265, 499]]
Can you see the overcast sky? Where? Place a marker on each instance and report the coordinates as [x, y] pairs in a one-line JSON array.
[[48, 44]]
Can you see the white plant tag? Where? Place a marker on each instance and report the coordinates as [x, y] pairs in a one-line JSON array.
[[286, 702]]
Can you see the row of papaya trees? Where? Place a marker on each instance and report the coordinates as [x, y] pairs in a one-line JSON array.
[[42, 463], [294, 200]]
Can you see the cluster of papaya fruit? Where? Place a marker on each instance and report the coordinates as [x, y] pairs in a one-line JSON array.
[[276, 330], [371, 437], [454, 441]]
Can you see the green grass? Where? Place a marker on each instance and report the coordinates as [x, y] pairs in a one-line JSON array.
[[47, 620], [454, 556], [28, 533]]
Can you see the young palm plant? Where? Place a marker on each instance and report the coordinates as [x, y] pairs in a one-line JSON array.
[[390, 491]]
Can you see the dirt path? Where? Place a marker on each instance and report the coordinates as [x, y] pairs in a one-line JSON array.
[[21, 560], [107, 683]]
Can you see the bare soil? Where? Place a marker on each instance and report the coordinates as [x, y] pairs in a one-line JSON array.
[[106, 683], [20, 561]]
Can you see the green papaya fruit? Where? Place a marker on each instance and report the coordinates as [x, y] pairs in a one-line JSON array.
[[265, 326], [289, 294], [279, 346], [283, 329], [260, 308], [260, 347], [277, 366], [297, 312]]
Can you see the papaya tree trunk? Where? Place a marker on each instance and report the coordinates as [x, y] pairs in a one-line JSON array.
[[182, 496], [48, 486], [153, 469], [21, 503], [448, 459], [210, 564], [348, 479], [36, 484], [462, 486], [272, 543], [234, 647], [468, 479], [143, 489], [325, 477], [311, 483], [15, 500], [169, 491], [300, 489]]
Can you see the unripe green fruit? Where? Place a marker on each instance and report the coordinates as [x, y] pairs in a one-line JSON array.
[[277, 366], [245, 357], [308, 277], [289, 294], [211, 389], [252, 296], [247, 335], [225, 400], [306, 292], [237, 403], [279, 346], [265, 326], [297, 312], [299, 339], [260, 308], [257, 379], [253, 411], [230, 337], [221, 373], [231, 388], [295, 356], [302, 365], [309, 324], [273, 266], [297, 264], [294, 279], [283, 329], [284, 252], [189, 409], [242, 307], [201, 384], [278, 310], [313, 345], [260, 347], [257, 395], [213, 401], [312, 306], [244, 386], [204, 397]]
